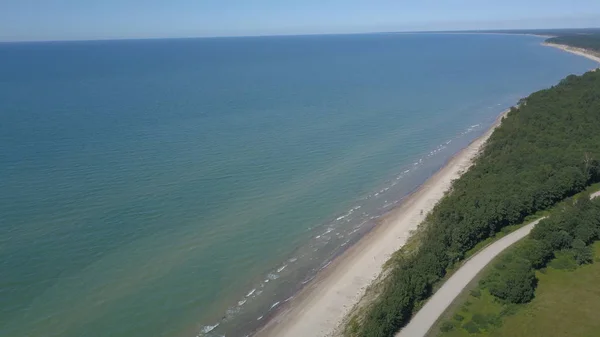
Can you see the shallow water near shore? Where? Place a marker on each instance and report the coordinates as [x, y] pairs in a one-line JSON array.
[[192, 187]]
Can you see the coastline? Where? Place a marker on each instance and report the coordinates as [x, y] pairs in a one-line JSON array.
[[574, 50], [320, 308]]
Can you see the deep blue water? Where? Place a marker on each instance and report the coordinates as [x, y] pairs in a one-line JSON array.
[[147, 187]]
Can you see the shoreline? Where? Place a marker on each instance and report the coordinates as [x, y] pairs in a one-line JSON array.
[[574, 50], [320, 308]]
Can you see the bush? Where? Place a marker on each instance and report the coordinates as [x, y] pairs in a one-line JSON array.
[[539, 253], [515, 282], [471, 327], [583, 254], [560, 240], [483, 321], [480, 320], [476, 293], [459, 317], [565, 260], [495, 321], [447, 326]]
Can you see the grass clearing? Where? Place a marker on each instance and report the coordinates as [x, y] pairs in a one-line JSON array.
[[566, 303]]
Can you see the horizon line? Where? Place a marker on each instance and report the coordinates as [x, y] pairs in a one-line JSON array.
[[512, 31]]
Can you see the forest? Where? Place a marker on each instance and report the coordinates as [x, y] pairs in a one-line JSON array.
[[546, 149]]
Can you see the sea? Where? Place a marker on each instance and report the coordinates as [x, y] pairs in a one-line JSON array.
[[191, 187]]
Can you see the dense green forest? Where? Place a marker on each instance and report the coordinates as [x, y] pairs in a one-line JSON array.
[[545, 150], [585, 41]]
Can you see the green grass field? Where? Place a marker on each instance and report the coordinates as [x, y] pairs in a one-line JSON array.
[[566, 303]]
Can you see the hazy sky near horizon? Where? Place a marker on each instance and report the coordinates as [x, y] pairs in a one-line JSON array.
[[109, 19]]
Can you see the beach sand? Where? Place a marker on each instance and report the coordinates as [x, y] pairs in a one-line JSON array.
[[577, 51], [322, 306]]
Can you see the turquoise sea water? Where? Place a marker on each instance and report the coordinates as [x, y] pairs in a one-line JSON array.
[[162, 187]]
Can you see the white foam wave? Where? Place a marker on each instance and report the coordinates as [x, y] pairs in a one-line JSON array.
[[208, 328], [325, 266], [251, 292], [242, 302], [274, 305], [308, 280], [232, 312], [279, 270]]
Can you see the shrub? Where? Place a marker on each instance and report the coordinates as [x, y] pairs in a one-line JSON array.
[[539, 253], [515, 282], [459, 317], [471, 327], [480, 320], [447, 326], [583, 254], [565, 260], [476, 293]]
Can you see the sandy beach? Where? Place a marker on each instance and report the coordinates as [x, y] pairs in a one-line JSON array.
[[573, 50], [319, 309]]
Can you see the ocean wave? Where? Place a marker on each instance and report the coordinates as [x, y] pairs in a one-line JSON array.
[[232, 312], [274, 305], [308, 280], [251, 292], [325, 266], [280, 269], [208, 328]]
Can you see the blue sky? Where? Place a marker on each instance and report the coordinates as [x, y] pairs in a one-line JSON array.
[[109, 19]]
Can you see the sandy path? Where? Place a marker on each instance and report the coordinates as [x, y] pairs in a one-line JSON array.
[[320, 308], [439, 302]]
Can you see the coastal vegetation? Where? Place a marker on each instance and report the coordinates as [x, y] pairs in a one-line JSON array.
[[546, 150], [547, 278]]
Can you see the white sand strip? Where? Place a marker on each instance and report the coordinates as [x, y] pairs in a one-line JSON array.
[[577, 51]]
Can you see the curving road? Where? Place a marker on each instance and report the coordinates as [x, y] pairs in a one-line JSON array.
[[439, 302]]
